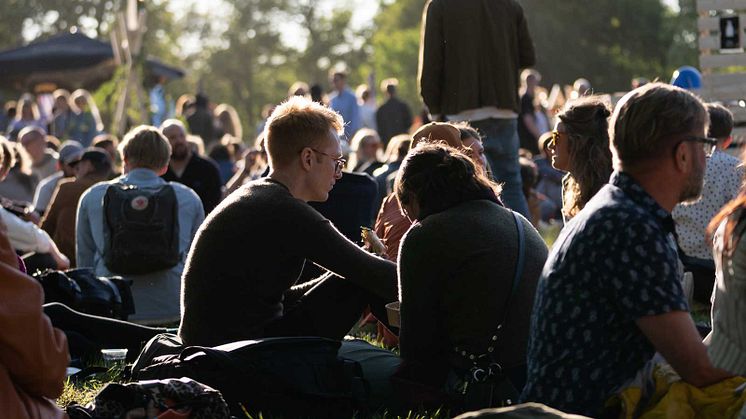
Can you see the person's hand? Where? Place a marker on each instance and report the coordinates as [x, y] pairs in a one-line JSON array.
[[63, 262]]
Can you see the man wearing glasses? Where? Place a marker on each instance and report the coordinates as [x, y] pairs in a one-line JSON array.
[[241, 272], [611, 296]]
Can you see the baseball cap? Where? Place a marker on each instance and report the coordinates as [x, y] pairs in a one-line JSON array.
[[70, 151]]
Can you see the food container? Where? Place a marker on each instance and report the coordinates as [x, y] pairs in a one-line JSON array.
[[392, 309], [114, 356]]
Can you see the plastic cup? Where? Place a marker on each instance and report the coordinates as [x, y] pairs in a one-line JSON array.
[[114, 356], [392, 310]]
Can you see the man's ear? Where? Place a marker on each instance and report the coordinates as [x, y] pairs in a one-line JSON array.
[[723, 145], [682, 156], [306, 155], [162, 170]]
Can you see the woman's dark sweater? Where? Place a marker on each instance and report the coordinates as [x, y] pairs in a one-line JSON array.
[[456, 271], [251, 250]]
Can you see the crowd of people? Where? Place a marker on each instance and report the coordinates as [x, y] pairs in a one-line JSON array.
[[234, 238]]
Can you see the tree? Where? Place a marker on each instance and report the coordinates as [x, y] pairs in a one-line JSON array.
[[396, 43], [608, 43]]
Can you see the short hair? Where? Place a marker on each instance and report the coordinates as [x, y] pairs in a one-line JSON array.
[[438, 177], [297, 123], [170, 123], [466, 130], [721, 121], [645, 118], [389, 85], [40, 133], [105, 140], [9, 157], [530, 72], [145, 147]]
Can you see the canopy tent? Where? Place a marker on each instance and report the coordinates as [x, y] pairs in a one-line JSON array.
[[68, 60]]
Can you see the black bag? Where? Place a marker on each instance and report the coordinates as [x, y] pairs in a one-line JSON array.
[[142, 229], [285, 377], [81, 290]]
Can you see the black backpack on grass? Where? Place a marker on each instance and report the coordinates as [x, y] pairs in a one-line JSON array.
[[141, 229], [291, 377]]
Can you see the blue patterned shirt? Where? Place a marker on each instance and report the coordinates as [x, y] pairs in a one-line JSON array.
[[614, 262]]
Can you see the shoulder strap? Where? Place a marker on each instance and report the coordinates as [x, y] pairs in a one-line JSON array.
[[518, 266]]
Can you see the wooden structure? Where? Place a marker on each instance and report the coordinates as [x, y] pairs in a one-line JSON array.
[[722, 59]]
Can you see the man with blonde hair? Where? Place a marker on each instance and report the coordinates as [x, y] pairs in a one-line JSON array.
[[108, 238], [611, 293], [240, 279]]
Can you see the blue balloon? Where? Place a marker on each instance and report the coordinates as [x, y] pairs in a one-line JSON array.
[[687, 77]]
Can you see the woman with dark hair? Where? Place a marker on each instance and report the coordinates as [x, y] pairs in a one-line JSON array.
[[468, 269], [580, 146]]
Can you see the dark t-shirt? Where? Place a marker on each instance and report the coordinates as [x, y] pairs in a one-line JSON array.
[[250, 251], [203, 177], [613, 263]]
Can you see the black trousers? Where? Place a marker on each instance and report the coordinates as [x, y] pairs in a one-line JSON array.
[[87, 334]]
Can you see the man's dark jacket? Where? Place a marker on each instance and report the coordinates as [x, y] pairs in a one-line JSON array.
[[471, 54]]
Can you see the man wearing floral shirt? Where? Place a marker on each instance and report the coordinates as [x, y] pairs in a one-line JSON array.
[[610, 295]]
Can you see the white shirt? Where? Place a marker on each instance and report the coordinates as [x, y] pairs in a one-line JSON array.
[[25, 236], [723, 179]]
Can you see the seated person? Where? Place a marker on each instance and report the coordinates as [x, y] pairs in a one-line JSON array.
[[146, 153], [611, 292], [25, 236], [246, 258], [723, 178], [59, 221], [33, 354], [457, 269], [727, 342]]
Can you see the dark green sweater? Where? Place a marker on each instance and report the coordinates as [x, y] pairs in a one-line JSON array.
[[471, 54], [456, 270], [251, 250]]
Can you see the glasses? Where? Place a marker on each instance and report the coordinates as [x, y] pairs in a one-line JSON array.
[[708, 144], [555, 137], [339, 162]]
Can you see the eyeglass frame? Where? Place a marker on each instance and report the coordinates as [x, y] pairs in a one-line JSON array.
[[553, 139], [339, 162], [708, 144]]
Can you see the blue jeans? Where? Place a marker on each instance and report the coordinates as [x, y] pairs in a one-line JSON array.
[[501, 143]]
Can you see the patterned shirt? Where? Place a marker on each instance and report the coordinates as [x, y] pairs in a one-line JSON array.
[[613, 263], [723, 179]]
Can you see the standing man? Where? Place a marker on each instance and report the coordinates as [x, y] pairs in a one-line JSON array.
[[186, 167], [393, 117], [475, 76], [345, 103], [611, 293]]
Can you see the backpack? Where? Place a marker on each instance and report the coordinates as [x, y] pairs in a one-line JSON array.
[[282, 377], [141, 229]]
